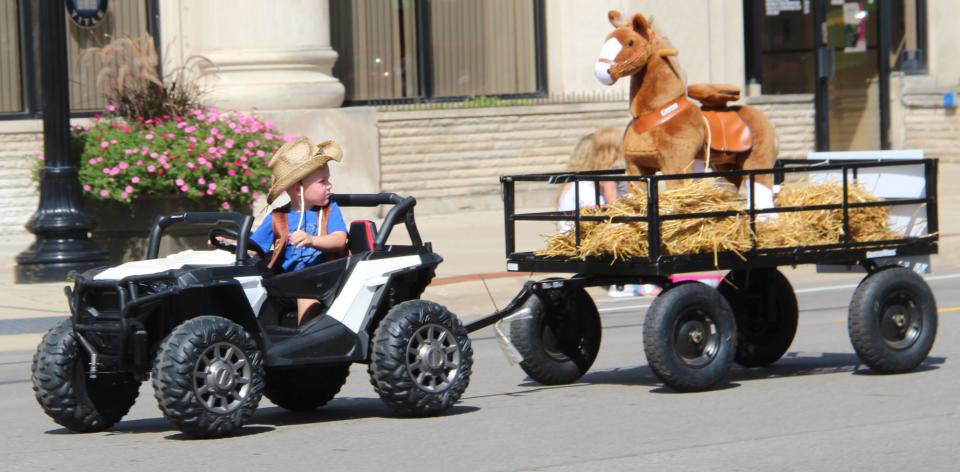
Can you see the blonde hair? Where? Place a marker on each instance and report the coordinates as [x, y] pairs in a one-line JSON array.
[[600, 150]]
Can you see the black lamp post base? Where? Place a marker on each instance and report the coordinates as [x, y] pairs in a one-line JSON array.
[[52, 260]]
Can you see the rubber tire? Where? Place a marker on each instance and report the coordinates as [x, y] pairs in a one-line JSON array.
[[863, 321], [572, 309], [388, 366], [173, 381], [767, 293], [305, 388], [658, 342], [62, 388]]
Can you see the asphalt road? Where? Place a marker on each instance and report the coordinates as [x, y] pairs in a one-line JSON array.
[[816, 409]]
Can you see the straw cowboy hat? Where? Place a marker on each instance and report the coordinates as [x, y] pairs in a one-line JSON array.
[[297, 159]]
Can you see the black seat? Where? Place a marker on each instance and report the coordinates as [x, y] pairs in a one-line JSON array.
[[361, 237]]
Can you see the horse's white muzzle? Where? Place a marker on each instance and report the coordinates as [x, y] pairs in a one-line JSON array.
[[608, 54], [602, 71]]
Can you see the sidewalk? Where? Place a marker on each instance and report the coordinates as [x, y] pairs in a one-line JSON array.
[[471, 281]]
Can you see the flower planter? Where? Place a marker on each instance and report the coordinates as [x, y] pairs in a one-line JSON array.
[[123, 229]]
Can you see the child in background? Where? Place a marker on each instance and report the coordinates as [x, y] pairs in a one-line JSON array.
[[309, 229], [600, 150]]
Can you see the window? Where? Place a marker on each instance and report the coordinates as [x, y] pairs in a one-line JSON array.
[[908, 42], [393, 50], [11, 91], [779, 37], [20, 53]]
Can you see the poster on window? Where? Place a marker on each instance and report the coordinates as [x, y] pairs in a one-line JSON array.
[[854, 27]]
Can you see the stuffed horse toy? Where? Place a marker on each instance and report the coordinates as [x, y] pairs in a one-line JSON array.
[[668, 132]]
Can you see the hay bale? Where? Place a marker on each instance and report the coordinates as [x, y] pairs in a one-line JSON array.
[[626, 240], [808, 228]]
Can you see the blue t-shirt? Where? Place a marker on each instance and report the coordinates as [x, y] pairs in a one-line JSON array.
[[296, 258]]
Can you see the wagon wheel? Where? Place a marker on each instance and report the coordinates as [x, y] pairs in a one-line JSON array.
[[765, 308], [690, 337], [893, 320]]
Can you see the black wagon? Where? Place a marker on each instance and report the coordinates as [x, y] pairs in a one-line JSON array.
[[693, 333]]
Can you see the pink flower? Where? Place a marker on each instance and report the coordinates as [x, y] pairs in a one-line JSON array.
[[208, 140], [136, 180], [268, 135], [140, 161], [228, 144], [191, 165], [104, 144], [184, 188], [244, 189], [201, 181], [106, 170], [124, 195], [111, 108], [225, 206], [92, 161], [231, 172], [212, 186], [190, 129], [104, 193], [209, 192], [42, 157], [123, 165], [150, 169], [192, 139], [179, 182], [86, 188], [128, 189], [260, 153]]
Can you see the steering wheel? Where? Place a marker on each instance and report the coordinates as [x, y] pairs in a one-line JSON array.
[[215, 235]]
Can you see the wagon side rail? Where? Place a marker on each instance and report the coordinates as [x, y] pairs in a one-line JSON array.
[[849, 170]]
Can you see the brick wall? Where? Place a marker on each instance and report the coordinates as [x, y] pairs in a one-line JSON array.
[[451, 159], [928, 125], [20, 144], [793, 117]]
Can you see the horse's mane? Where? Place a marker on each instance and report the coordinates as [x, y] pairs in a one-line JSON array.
[[662, 41]]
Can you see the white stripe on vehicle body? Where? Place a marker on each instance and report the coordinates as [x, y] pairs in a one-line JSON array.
[[254, 291], [351, 306]]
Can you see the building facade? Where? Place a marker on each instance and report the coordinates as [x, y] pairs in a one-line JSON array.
[[437, 98]]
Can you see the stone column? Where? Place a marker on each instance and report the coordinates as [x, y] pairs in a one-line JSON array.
[[272, 55]]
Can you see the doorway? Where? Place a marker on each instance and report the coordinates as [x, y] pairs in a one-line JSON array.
[[852, 95]]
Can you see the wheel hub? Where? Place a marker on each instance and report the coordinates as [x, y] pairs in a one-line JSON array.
[[433, 357], [696, 339], [222, 377], [900, 323]]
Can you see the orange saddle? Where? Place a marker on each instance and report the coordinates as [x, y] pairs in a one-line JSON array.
[[728, 132]]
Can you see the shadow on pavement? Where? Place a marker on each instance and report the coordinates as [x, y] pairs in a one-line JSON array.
[[268, 417], [792, 364]]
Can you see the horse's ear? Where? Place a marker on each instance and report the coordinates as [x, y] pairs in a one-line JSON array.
[[641, 25], [616, 19]]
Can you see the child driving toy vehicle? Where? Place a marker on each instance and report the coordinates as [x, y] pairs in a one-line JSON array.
[[309, 229]]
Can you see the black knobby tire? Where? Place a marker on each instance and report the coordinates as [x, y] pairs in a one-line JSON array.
[[892, 320], [228, 388], [690, 337], [305, 388], [561, 339], [68, 395], [766, 310], [422, 358]]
